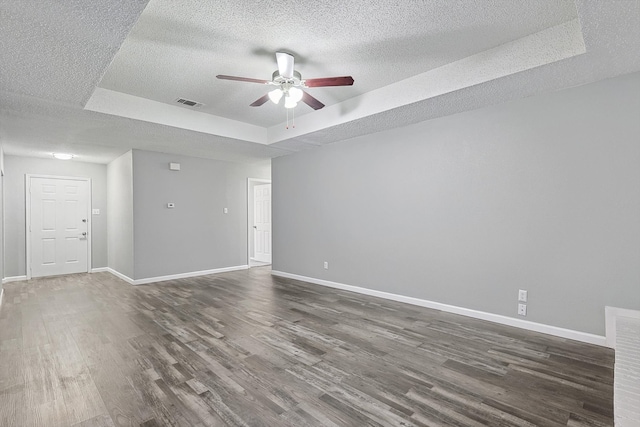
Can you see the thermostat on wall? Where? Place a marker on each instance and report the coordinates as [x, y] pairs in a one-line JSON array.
[[174, 166], [171, 205]]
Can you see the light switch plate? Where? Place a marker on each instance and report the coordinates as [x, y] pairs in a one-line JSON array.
[[95, 211]]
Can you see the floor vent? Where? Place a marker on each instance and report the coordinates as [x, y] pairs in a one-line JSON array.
[[189, 103]]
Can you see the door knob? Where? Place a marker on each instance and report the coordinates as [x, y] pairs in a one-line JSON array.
[[255, 226], [84, 234]]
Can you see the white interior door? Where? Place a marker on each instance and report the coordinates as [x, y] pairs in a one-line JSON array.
[[262, 222], [58, 226]]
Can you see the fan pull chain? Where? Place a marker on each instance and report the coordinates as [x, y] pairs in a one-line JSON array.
[[293, 118]]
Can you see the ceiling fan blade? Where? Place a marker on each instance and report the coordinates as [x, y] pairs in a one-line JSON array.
[[258, 102], [329, 81], [311, 101], [285, 64], [242, 79]]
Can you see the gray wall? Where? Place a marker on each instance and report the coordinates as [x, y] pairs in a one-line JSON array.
[[540, 194], [1, 215], [14, 191], [195, 235], [120, 214]]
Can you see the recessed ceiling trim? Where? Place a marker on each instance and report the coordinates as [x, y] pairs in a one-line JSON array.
[[550, 45], [124, 105], [541, 48]]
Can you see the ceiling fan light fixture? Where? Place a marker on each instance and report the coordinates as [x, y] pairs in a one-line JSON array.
[[289, 102], [275, 95], [288, 83], [295, 94]]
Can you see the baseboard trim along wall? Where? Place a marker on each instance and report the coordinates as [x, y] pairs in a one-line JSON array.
[[119, 275], [13, 279], [174, 276], [1, 298], [99, 269], [496, 318]]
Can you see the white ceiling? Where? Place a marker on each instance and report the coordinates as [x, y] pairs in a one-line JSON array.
[[100, 78]]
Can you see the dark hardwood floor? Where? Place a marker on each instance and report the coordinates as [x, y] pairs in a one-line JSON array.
[[249, 349]]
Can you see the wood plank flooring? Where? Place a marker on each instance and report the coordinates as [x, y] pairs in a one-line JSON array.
[[248, 349]]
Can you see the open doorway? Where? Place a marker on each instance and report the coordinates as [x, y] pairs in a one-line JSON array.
[[259, 222]]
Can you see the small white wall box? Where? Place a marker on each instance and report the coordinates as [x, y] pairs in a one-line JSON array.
[[174, 166]]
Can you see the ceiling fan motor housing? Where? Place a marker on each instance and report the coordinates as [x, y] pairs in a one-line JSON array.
[[277, 79]]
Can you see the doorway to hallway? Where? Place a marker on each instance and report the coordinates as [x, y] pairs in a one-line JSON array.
[[259, 222]]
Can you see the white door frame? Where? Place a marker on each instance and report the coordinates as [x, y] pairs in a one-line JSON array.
[[250, 183], [27, 196]]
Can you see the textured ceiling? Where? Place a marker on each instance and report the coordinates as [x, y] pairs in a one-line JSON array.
[[411, 61], [58, 50], [378, 43]]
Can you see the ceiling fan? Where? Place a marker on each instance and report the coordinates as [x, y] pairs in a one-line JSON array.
[[288, 84]]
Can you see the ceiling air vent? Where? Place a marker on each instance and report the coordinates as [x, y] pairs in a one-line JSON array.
[[189, 103]]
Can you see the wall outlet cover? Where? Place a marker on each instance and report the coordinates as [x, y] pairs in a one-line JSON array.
[[522, 295], [326, 265], [522, 309]]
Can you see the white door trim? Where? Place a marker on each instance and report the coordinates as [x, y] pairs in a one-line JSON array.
[[27, 196], [250, 182]]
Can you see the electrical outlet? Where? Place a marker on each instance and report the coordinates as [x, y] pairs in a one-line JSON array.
[[326, 265], [522, 309], [522, 295]]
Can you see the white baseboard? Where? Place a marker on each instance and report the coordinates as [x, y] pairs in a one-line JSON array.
[[99, 270], [175, 276], [496, 318], [1, 298], [610, 316], [189, 274], [13, 279], [121, 276]]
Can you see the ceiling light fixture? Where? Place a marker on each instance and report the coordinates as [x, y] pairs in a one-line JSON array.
[[289, 102], [289, 83], [63, 156], [295, 94], [275, 95]]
